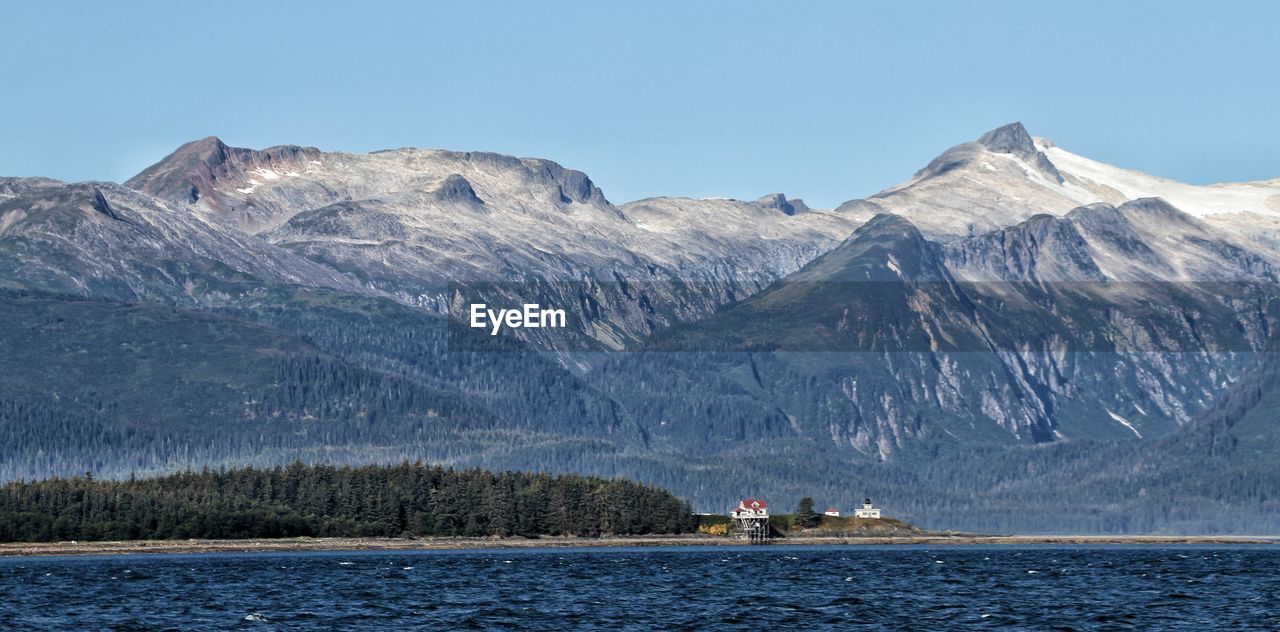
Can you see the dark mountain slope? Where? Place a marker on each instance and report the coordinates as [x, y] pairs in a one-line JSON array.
[[531, 391], [863, 295], [870, 348], [877, 347], [1214, 475], [113, 388]]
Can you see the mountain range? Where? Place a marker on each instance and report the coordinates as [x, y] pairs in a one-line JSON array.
[[1012, 323]]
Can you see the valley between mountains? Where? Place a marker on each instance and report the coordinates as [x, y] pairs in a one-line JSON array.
[[1013, 339]]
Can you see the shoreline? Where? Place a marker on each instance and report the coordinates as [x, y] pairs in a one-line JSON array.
[[278, 545]]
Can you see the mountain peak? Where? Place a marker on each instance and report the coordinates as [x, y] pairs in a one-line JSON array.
[[779, 202], [888, 222], [887, 247], [1013, 139], [180, 175], [204, 144], [209, 150], [1009, 139], [1155, 205], [189, 174], [1160, 211]]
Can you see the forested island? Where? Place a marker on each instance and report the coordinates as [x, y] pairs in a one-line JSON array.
[[405, 500]]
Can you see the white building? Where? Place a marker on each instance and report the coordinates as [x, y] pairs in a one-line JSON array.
[[752, 520], [751, 508], [832, 511], [867, 510]]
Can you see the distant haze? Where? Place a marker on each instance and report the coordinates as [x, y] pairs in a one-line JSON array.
[[825, 101]]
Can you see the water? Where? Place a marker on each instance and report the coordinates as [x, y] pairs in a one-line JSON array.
[[552, 589]]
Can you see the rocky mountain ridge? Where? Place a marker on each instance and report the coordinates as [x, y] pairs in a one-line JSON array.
[[408, 222]]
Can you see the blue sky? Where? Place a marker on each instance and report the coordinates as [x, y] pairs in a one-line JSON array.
[[826, 101]]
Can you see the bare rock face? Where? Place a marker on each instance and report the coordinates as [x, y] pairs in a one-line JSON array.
[[1014, 139], [455, 188], [781, 203], [206, 168], [573, 186]]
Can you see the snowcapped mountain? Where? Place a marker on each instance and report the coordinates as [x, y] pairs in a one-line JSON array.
[[477, 215], [407, 222], [404, 223], [1010, 293], [1007, 176], [1049, 305]]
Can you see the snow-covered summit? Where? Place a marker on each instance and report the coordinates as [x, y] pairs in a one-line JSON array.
[[1008, 176]]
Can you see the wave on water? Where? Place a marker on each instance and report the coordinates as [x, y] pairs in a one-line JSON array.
[[793, 587]]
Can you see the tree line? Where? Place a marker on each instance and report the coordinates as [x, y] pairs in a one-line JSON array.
[[405, 500]]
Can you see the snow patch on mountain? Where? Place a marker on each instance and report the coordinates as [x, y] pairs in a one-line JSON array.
[[1201, 201], [1124, 422]]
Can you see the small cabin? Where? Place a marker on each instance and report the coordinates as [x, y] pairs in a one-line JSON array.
[[867, 510], [832, 511]]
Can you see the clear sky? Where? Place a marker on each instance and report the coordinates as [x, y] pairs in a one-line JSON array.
[[826, 101]]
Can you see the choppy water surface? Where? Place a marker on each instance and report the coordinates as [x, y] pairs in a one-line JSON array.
[[821, 587]]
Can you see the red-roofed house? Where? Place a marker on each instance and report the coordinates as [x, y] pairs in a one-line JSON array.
[[751, 517], [751, 508]]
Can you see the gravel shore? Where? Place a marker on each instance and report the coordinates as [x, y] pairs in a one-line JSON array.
[[397, 544]]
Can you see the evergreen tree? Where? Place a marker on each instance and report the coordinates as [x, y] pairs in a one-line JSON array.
[[409, 499], [806, 517]]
